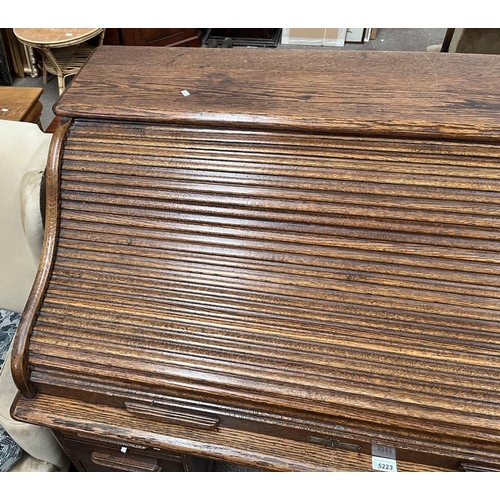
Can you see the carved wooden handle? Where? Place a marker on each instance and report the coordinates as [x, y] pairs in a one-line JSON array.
[[173, 416], [473, 467], [125, 463]]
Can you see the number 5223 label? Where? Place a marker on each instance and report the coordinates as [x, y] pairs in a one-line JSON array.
[[384, 464]]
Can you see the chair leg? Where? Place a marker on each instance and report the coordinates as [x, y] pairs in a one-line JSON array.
[[60, 82], [44, 74]]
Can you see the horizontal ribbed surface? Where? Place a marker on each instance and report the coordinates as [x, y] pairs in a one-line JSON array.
[[338, 275]]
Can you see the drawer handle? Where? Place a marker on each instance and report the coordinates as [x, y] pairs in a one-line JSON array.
[[473, 467], [125, 463], [173, 416], [111, 441]]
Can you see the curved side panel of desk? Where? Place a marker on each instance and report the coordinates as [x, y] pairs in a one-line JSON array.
[[20, 359]]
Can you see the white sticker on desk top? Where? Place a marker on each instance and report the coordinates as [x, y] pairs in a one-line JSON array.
[[384, 464]]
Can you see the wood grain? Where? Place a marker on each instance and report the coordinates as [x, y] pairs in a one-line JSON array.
[[20, 104], [249, 283], [357, 92], [238, 447]]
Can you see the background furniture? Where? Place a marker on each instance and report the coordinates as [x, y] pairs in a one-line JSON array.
[[23, 154], [5, 76], [156, 37], [20, 60], [245, 37], [21, 104], [245, 267], [64, 50]]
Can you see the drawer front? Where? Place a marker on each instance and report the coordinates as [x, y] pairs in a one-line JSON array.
[[93, 455]]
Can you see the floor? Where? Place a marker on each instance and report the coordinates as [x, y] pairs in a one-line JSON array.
[[387, 39]]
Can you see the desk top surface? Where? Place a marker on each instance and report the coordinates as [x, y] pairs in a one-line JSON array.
[[375, 93]]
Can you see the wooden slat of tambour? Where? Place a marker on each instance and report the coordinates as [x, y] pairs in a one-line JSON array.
[[299, 275], [386, 229], [412, 356], [478, 333], [347, 291], [405, 190], [288, 204], [145, 282], [254, 269], [337, 341], [269, 318], [350, 360], [257, 156], [350, 399], [117, 246], [435, 172], [482, 240], [407, 321], [288, 240], [92, 134], [286, 161], [284, 252], [364, 369], [313, 191], [339, 331], [443, 170], [423, 174]]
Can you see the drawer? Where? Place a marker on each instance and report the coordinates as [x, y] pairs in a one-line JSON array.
[[96, 455]]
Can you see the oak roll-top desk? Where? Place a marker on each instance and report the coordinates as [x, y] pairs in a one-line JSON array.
[[278, 258]]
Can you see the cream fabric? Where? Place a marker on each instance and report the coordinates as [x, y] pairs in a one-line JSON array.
[[23, 148], [31, 217], [36, 441], [30, 464]]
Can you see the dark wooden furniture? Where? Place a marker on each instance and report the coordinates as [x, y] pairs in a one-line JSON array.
[[5, 73], [261, 258], [21, 104], [19, 60], [245, 37], [154, 37]]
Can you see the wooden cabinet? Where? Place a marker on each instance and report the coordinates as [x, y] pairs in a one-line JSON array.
[[261, 258], [154, 37]]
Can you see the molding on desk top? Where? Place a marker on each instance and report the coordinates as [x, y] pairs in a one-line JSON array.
[[415, 94]]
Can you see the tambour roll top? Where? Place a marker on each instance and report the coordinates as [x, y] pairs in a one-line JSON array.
[[302, 246]]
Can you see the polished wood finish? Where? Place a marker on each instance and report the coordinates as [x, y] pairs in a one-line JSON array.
[[21, 104], [408, 94], [281, 269]]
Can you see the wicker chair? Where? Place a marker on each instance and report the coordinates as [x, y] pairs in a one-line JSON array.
[[64, 50]]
